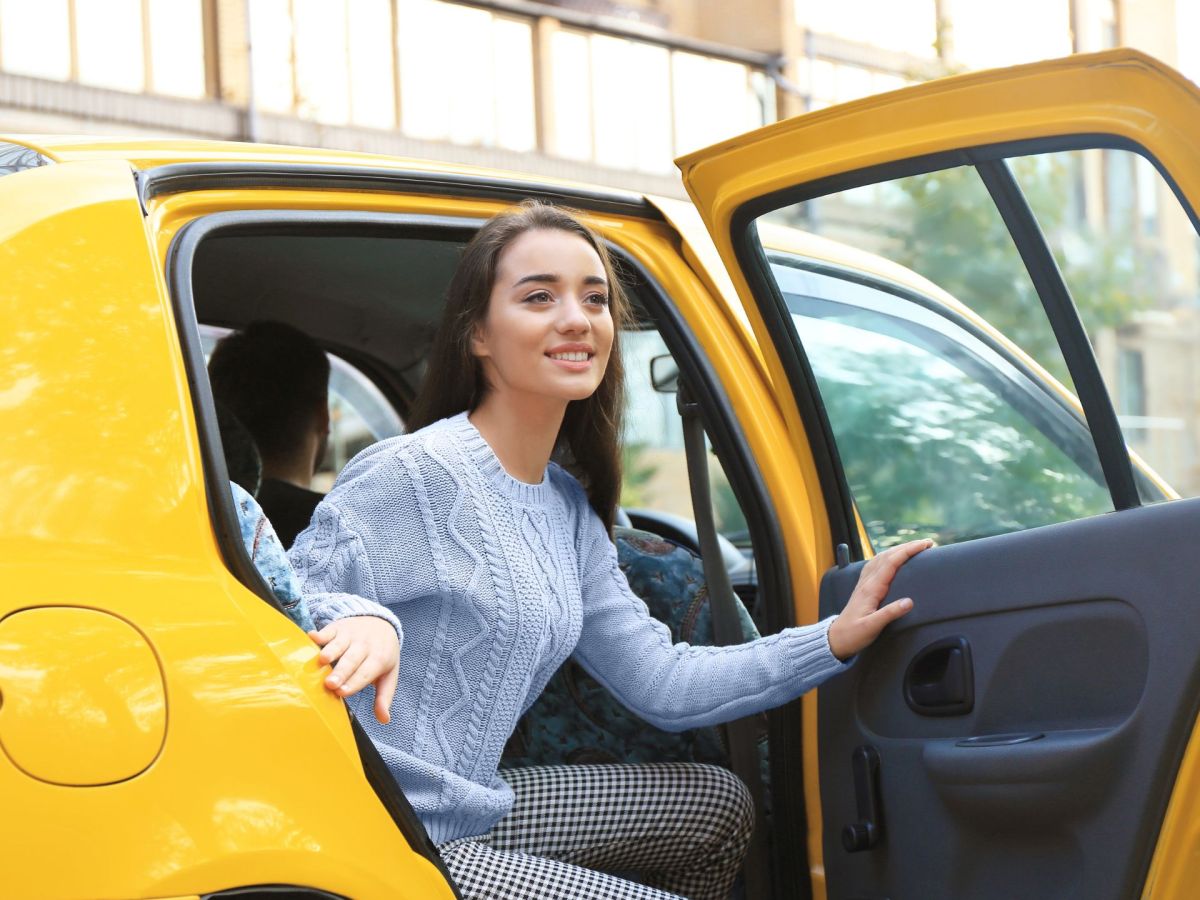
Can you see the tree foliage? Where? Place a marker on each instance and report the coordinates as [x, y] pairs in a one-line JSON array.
[[948, 229], [931, 448]]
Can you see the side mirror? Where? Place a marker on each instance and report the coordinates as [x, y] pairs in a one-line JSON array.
[[664, 374]]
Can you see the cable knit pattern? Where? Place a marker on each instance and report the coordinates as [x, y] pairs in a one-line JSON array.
[[491, 584]]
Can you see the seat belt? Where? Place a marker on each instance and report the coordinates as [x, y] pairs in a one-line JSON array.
[[740, 735]]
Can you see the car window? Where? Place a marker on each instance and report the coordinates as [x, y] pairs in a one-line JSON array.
[[941, 434], [359, 413], [1131, 259], [655, 466], [966, 459]]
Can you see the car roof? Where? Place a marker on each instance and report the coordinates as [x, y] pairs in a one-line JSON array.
[[148, 153]]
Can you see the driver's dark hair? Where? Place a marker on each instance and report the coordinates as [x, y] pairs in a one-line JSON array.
[[275, 379], [454, 379]]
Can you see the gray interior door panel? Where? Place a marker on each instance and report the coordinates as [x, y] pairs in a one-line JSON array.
[[1026, 720]]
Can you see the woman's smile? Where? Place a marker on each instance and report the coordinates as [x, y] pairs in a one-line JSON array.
[[572, 357]]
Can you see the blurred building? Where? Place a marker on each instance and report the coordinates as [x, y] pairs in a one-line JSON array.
[[593, 90], [603, 91]]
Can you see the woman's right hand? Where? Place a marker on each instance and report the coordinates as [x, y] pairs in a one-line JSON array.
[[362, 650], [863, 618]]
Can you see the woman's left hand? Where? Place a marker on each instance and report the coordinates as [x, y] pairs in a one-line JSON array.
[[362, 650], [862, 619]]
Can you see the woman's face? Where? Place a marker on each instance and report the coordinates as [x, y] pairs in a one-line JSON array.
[[548, 330]]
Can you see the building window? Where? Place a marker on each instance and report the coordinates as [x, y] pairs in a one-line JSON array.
[[1131, 393], [830, 83], [635, 105], [987, 35], [322, 66], [343, 62], [714, 99], [271, 55], [631, 104], [372, 80], [570, 61], [1147, 181], [1131, 382], [1120, 191], [905, 26], [109, 44], [35, 38], [125, 45], [482, 93], [176, 47]]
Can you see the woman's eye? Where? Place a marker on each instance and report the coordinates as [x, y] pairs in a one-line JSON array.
[[539, 297], [598, 299]]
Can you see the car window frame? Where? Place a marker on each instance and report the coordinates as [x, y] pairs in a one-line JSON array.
[[721, 424]]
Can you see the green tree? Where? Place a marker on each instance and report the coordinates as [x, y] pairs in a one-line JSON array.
[[636, 474], [948, 229], [731, 521], [930, 452]]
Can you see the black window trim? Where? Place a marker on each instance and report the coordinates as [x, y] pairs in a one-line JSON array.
[[752, 259], [1067, 327], [790, 876], [197, 176]]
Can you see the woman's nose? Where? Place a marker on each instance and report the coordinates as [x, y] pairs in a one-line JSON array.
[[573, 318]]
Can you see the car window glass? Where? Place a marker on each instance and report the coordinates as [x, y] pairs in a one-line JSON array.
[[1129, 255], [655, 468], [941, 433], [359, 413], [955, 254]]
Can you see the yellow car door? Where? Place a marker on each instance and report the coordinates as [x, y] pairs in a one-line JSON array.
[[1027, 729], [163, 730]]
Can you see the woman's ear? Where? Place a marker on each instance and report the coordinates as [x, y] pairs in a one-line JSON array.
[[478, 341]]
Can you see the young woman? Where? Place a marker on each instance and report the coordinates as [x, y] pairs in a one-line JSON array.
[[491, 564]]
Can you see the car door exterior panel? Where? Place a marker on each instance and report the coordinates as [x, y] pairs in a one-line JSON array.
[[1021, 732], [157, 718]]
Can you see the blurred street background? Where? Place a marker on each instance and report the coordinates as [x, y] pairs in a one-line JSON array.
[[611, 92]]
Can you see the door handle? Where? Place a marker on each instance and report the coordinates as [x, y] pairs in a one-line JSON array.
[[940, 681]]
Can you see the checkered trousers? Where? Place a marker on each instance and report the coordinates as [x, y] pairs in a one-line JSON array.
[[681, 828]]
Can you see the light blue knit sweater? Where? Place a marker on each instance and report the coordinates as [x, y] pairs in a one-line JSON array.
[[492, 583]]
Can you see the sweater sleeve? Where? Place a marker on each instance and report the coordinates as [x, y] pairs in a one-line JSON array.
[[334, 572], [678, 686]]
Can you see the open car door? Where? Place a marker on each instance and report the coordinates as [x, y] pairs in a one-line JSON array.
[[1027, 729]]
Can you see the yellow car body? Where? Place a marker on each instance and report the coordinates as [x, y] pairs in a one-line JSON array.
[[164, 730]]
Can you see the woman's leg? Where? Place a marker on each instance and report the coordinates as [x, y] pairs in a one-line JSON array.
[[482, 872], [683, 827]]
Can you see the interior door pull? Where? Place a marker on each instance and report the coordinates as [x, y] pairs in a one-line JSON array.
[[940, 680], [868, 830]]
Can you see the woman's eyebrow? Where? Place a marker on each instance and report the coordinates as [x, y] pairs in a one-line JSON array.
[[541, 277], [548, 278]]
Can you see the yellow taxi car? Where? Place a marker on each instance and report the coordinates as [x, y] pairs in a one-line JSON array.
[[1027, 730]]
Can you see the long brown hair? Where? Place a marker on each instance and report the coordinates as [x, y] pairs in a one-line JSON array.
[[454, 379]]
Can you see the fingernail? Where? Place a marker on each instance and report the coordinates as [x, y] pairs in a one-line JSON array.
[[906, 602], [334, 681]]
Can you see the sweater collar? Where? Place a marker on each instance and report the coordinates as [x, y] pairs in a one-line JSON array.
[[490, 467]]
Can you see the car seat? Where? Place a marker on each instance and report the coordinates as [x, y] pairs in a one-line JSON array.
[[576, 720]]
